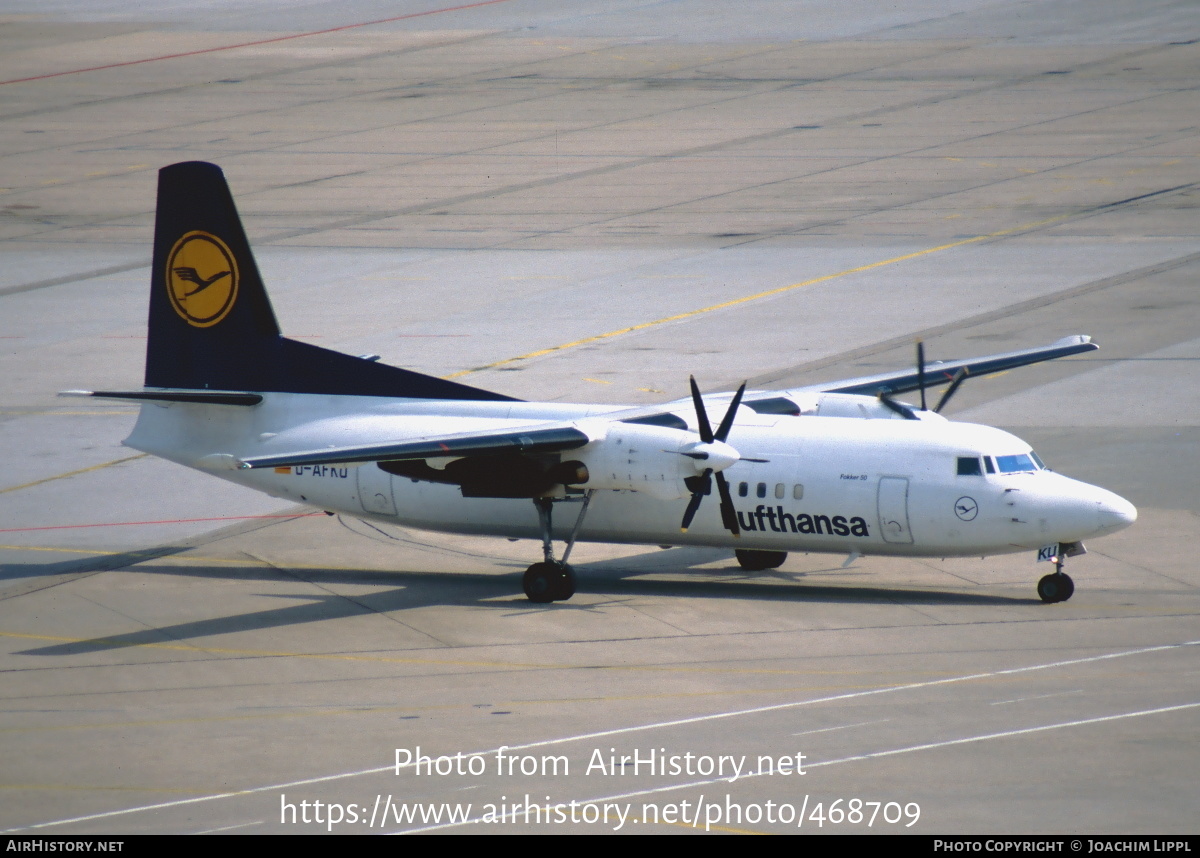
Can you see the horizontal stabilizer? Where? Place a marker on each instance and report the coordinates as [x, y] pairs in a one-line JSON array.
[[206, 397]]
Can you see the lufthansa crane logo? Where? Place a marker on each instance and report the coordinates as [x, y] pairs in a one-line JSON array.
[[202, 279]]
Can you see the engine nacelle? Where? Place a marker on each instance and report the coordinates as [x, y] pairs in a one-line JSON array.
[[866, 407], [651, 459]]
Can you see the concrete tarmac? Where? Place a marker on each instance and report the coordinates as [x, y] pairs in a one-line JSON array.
[[500, 191]]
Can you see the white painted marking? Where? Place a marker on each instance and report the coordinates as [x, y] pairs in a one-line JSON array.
[[655, 726], [1007, 734], [1036, 697], [230, 827], [856, 758], [842, 727]]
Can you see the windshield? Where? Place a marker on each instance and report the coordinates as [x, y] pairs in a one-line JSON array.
[[1017, 464]]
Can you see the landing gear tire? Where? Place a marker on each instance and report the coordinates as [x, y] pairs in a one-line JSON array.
[[757, 561], [566, 583], [549, 582], [1057, 587]]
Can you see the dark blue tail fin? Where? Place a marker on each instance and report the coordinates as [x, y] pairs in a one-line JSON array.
[[211, 323]]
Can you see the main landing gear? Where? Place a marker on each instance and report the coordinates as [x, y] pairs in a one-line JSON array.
[[553, 580], [550, 581], [759, 561]]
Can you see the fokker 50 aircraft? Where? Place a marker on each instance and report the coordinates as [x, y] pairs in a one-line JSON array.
[[840, 468]]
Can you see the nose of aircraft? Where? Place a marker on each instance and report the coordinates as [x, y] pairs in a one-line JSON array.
[[1072, 509], [1113, 513]]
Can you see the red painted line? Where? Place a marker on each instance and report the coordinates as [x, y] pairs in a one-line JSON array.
[[164, 521], [258, 42]]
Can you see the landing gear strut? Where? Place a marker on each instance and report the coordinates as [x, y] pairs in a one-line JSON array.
[[553, 580], [1058, 586]]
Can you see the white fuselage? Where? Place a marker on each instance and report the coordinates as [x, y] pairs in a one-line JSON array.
[[870, 485]]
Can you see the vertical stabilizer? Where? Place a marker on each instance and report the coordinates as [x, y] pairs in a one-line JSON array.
[[211, 323]]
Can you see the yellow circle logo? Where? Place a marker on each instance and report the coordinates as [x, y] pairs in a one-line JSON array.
[[202, 279]]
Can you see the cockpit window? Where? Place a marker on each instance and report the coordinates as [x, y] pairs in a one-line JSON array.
[[1037, 459], [1015, 464], [968, 466]]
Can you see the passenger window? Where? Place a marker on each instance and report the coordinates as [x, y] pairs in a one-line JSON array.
[[798, 492], [779, 487], [968, 466], [743, 489], [762, 490]]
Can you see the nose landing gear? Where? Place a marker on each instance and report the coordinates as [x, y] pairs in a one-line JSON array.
[[1058, 586]]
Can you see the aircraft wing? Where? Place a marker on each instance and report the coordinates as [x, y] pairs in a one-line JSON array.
[[550, 439], [941, 372], [563, 436]]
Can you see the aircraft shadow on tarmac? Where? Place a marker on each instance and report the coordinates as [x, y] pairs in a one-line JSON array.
[[618, 579]]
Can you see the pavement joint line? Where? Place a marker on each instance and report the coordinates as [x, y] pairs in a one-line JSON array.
[[329, 711], [206, 650], [257, 42], [146, 523], [94, 788], [767, 379], [642, 727], [107, 561], [441, 203], [770, 293], [123, 268], [507, 665]]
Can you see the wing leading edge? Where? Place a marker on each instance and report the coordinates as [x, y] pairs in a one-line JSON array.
[[553, 439], [940, 372]]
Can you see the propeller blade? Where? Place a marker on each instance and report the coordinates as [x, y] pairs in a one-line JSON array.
[[900, 408], [730, 414], [959, 377], [921, 372], [706, 433], [702, 489], [728, 513]]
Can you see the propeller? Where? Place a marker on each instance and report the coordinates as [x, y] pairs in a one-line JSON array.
[[722, 458], [907, 411], [958, 379]]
